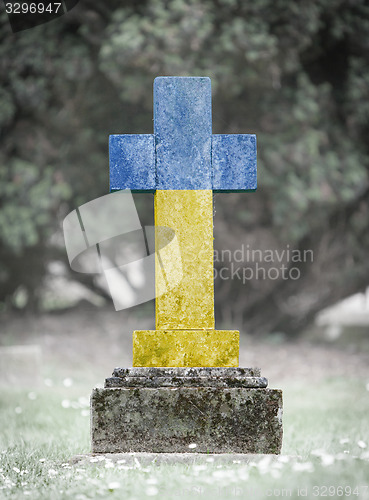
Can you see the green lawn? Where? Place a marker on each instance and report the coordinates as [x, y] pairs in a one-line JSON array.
[[326, 426]]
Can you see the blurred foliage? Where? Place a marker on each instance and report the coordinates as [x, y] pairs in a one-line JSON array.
[[39, 194], [294, 73]]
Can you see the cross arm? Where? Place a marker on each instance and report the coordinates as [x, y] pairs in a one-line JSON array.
[[234, 162], [132, 162]]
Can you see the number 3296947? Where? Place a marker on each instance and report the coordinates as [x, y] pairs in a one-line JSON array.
[[32, 8]]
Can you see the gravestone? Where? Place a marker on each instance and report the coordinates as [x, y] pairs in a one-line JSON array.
[[185, 387]]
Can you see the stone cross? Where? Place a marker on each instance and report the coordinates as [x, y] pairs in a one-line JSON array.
[[183, 163]]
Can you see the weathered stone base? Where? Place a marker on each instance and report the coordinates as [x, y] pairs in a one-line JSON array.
[[168, 419]]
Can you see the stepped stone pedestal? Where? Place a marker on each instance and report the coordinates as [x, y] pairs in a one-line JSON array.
[[165, 410]]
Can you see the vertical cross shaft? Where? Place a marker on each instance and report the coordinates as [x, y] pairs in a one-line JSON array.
[[190, 214], [183, 200], [183, 163]]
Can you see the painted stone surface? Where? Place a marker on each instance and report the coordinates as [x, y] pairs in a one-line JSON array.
[[191, 304], [182, 124], [132, 162], [185, 348], [234, 162]]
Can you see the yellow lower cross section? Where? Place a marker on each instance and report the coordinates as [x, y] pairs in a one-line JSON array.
[[185, 348], [185, 332]]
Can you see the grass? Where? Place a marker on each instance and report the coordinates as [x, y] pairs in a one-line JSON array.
[[325, 451]]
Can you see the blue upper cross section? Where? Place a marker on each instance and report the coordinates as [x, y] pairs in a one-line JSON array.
[[182, 153]]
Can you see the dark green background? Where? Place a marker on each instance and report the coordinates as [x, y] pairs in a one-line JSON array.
[[295, 73]]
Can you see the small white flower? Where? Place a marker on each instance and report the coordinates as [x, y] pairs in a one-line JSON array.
[[275, 473], [327, 460], [210, 459], [65, 403], [303, 467], [152, 491], [114, 485], [152, 480], [344, 440], [244, 476], [121, 461], [264, 464], [192, 446], [199, 467], [277, 465], [361, 444], [218, 473], [85, 413], [15, 469], [109, 465], [83, 401], [340, 456], [67, 382], [94, 459], [318, 453], [32, 396], [52, 472], [18, 410]]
